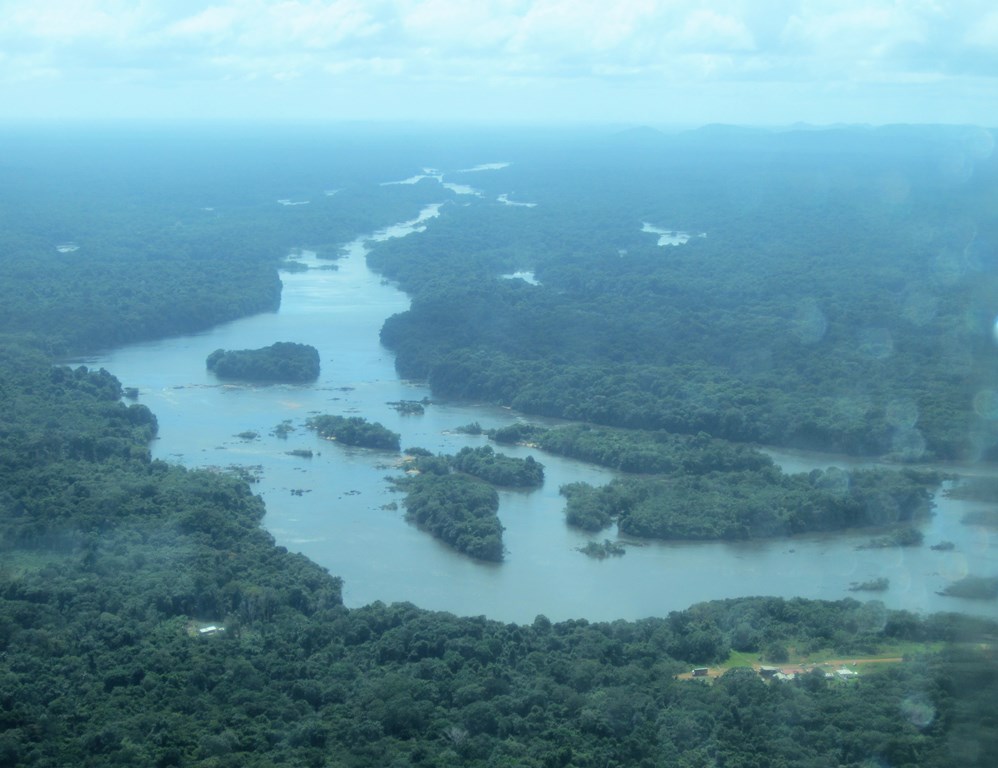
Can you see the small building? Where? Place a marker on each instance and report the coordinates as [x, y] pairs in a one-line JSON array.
[[846, 674], [211, 629], [700, 671], [768, 671]]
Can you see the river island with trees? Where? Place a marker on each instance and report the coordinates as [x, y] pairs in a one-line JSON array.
[[146, 617], [354, 430], [283, 361], [453, 497]]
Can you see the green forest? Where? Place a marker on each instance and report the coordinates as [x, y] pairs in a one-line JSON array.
[[354, 430], [688, 487], [453, 497], [499, 469], [637, 451], [840, 298], [459, 510], [283, 361], [146, 617], [748, 505]]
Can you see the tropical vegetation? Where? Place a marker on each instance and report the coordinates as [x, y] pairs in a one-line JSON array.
[[283, 361], [146, 617], [354, 430]]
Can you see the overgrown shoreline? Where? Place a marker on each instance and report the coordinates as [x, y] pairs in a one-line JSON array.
[[113, 561]]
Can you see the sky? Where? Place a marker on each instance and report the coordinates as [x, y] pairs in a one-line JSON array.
[[652, 62]]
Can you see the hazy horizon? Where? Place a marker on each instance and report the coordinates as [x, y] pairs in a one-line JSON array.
[[673, 65]]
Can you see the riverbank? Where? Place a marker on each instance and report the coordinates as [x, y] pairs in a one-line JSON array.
[[344, 519]]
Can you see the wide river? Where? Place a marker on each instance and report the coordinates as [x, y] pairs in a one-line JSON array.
[[337, 508]]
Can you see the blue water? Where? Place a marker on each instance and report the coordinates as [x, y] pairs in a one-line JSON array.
[[344, 518]]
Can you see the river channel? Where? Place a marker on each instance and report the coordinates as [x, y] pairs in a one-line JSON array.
[[337, 509]]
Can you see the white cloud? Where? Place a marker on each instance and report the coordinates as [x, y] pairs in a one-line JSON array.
[[376, 66], [527, 51], [870, 30], [316, 24], [480, 24], [266, 25], [984, 33], [707, 30], [45, 22], [586, 26], [214, 23]]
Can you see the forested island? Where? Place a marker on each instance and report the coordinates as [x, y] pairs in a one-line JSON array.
[[499, 469], [354, 430], [637, 451], [458, 510], [146, 618], [748, 505], [283, 361], [452, 496], [698, 487]]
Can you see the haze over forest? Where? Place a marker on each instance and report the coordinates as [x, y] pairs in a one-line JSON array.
[[674, 254]]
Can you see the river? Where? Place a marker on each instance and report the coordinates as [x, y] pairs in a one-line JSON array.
[[337, 509]]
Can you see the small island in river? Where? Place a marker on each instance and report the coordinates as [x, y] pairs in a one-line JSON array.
[[354, 430], [452, 496], [973, 588], [456, 507], [284, 361], [881, 584]]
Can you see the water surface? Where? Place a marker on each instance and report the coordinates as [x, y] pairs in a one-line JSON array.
[[337, 509]]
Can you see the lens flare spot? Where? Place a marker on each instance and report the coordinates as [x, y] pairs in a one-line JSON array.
[[902, 413], [876, 343], [986, 404], [908, 444], [809, 323], [918, 711]]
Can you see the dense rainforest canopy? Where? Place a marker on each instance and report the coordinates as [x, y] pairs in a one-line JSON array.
[[282, 361], [147, 619], [354, 430], [452, 496], [747, 505], [112, 235], [706, 488], [835, 291]]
